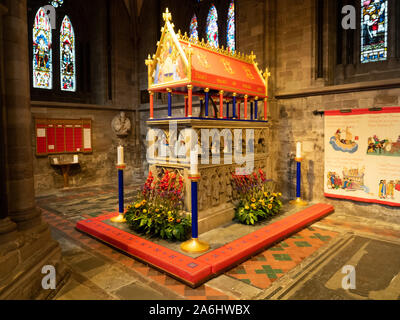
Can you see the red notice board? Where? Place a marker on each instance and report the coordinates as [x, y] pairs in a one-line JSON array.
[[55, 136]]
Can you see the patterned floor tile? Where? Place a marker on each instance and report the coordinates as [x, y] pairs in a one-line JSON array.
[[63, 210], [262, 270], [56, 215]]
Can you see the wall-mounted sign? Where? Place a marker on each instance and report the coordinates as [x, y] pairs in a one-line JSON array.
[[55, 136], [362, 155]]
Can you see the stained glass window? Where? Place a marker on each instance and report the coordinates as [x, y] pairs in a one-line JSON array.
[[231, 27], [56, 3], [67, 56], [212, 27], [42, 52], [193, 28], [374, 30]]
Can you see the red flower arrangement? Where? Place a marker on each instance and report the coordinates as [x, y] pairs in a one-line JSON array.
[[256, 201], [156, 210]]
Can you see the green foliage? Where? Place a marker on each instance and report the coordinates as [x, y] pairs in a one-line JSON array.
[[255, 200], [156, 211], [154, 219], [257, 207]]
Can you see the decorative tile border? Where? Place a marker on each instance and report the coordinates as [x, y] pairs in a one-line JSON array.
[[192, 271]]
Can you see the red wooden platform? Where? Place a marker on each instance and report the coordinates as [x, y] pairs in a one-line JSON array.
[[195, 271]]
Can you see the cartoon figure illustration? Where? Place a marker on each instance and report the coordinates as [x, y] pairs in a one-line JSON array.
[[353, 180], [390, 189], [382, 189], [334, 181], [344, 144], [385, 147], [397, 186]]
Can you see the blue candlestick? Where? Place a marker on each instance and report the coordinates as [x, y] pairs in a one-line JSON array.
[[256, 110], [227, 110], [120, 218], [195, 223], [121, 190], [298, 201], [251, 111], [298, 188], [195, 245]]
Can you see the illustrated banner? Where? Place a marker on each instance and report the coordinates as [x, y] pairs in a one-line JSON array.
[[362, 155]]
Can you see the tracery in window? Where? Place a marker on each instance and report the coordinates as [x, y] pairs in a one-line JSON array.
[[212, 27], [374, 30], [193, 28], [67, 56], [231, 44], [56, 3], [42, 52]]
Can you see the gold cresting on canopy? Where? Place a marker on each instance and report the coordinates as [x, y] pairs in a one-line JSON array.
[[181, 61]]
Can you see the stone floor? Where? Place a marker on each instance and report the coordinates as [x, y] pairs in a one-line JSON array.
[[306, 266]]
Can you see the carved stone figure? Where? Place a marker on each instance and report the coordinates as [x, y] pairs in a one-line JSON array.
[[121, 125]]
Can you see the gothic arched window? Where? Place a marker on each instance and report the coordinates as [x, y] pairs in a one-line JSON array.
[[230, 42], [374, 30], [42, 52], [67, 56], [56, 3], [193, 28], [212, 27]]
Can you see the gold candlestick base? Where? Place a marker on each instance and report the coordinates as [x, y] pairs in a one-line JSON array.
[[195, 246], [299, 202], [119, 219]]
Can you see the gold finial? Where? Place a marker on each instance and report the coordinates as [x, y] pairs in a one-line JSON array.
[[185, 34], [179, 33], [252, 56], [266, 74], [221, 92], [148, 61], [167, 15], [207, 90]]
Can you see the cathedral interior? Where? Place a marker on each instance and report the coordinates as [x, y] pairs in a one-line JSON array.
[[81, 79]]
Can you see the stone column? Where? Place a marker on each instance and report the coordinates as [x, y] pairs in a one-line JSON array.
[[23, 254], [7, 227], [21, 202]]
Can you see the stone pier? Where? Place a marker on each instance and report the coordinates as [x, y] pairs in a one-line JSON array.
[[26, 244]]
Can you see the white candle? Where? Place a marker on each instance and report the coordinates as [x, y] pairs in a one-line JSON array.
[[120, 155], [298, 150], [193, 162]]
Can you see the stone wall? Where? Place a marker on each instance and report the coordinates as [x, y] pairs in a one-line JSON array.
[[99, 167], [95, 168], [298, 92]]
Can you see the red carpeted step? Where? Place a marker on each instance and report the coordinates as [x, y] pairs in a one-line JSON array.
[[183, 267], [237, 251], [196, 271]]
